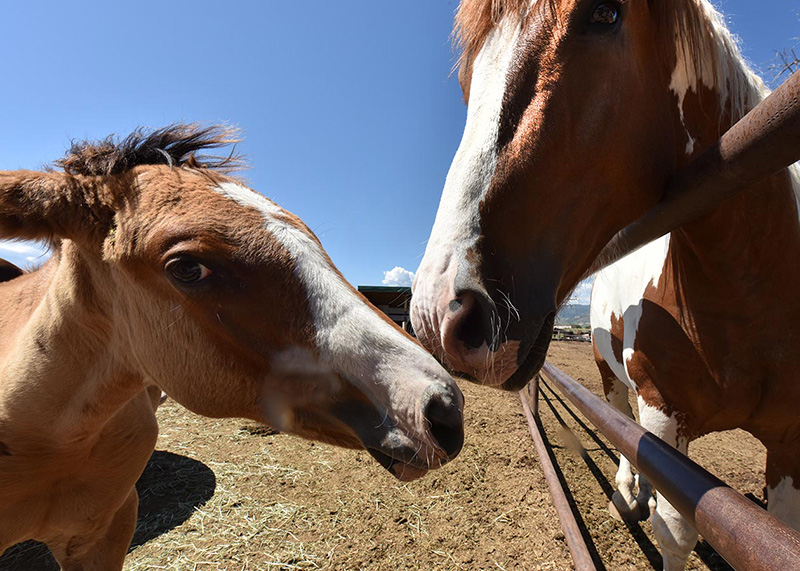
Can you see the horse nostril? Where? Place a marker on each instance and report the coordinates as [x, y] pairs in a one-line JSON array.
[[446, 423], [472, 323]]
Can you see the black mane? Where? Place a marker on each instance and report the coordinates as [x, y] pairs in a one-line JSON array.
[[174, 145]]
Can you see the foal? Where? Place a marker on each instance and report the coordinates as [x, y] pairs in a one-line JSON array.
[[166, 272]]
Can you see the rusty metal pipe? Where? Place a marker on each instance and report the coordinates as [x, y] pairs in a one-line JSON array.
[[747, 536], [763, 143], [572, 533]]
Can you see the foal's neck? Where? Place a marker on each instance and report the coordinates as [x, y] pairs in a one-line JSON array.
[[62, 379]]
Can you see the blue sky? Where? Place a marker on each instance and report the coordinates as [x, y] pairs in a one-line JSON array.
[[349, 111]]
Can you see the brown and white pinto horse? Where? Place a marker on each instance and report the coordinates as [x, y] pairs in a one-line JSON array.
[[579, 113], [166, 272]]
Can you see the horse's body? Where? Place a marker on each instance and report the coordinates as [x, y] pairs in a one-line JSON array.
[[580, 112], [177, 276], [700, 325]]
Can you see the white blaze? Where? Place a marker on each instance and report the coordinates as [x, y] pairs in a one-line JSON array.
[[351, 338], [456, 226]]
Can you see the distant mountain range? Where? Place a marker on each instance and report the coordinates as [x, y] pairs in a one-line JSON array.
[[573, 314]]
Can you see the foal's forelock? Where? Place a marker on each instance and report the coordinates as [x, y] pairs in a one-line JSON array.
[[175, 145]]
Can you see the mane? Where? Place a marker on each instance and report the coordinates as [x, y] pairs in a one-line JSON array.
[[175, 145], [708, 53], [706, 50]]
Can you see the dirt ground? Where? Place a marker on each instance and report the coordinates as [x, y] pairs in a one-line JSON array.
[[223, 495]]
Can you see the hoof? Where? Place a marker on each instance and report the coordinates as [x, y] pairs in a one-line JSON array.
[[621, 511], [647, 509], [615, 512]]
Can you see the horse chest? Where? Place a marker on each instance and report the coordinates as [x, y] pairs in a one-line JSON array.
[[48, 492], [712, 366], [681, 351]]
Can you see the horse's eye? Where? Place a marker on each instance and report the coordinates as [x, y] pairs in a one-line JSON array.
[[187, 271], [605, 14]]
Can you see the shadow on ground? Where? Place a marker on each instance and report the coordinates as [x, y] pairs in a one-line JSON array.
[[170, 489]]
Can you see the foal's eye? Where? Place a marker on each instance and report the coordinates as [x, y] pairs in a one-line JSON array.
[[187, 271], [605, 14]]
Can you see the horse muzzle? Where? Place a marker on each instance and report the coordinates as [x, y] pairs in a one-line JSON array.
[[488, 342], [433, 435]]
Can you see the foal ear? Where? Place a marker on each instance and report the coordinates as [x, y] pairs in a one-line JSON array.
[[45, 205]]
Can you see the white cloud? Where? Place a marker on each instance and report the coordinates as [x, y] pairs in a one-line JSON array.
[[581, 295], [398, 276], [24, 254]]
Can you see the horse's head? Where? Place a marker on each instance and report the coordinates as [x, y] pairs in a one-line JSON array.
[[230, 304], [579, 112]]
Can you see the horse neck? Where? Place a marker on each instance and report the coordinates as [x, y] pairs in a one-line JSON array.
[[746, 250], [61, 378], [752, 240]]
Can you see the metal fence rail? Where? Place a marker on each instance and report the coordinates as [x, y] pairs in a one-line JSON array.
[[569, 525], [747, 536]]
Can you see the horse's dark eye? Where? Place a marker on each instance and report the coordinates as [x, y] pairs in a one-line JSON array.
[[187, 271], [605, 14]]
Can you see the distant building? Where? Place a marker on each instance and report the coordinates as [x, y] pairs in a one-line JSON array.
[[394, 301]]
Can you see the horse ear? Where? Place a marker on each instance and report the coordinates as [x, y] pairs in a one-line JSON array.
[[46, 205]]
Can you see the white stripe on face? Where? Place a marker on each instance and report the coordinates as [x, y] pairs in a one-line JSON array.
[[457, 221], [351, 337]]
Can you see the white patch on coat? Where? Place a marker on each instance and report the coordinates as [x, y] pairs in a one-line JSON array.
[[618, 291], [711, 58], [675, 535], [784, 502], [625, 479], [352, 339], [685, 77], [663, 425]]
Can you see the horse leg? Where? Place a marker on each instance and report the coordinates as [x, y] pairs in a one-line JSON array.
[[783, 482], [623, 502], [104, 551], [675, 535], [645, 498], [157, 396]]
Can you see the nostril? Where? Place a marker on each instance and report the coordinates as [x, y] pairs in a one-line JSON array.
[[446, 423], [472, 324]]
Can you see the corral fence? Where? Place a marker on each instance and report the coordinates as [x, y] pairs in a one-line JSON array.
[[743, 533], [567, 336], [764, 142]]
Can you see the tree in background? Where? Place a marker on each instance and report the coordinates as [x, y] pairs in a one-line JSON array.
[[788, 60]]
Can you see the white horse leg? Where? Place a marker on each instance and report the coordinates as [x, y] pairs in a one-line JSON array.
[[783, 484], [624, 500], [675, 535]]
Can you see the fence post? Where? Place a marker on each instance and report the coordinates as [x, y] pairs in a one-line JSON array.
[[569, 525]]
